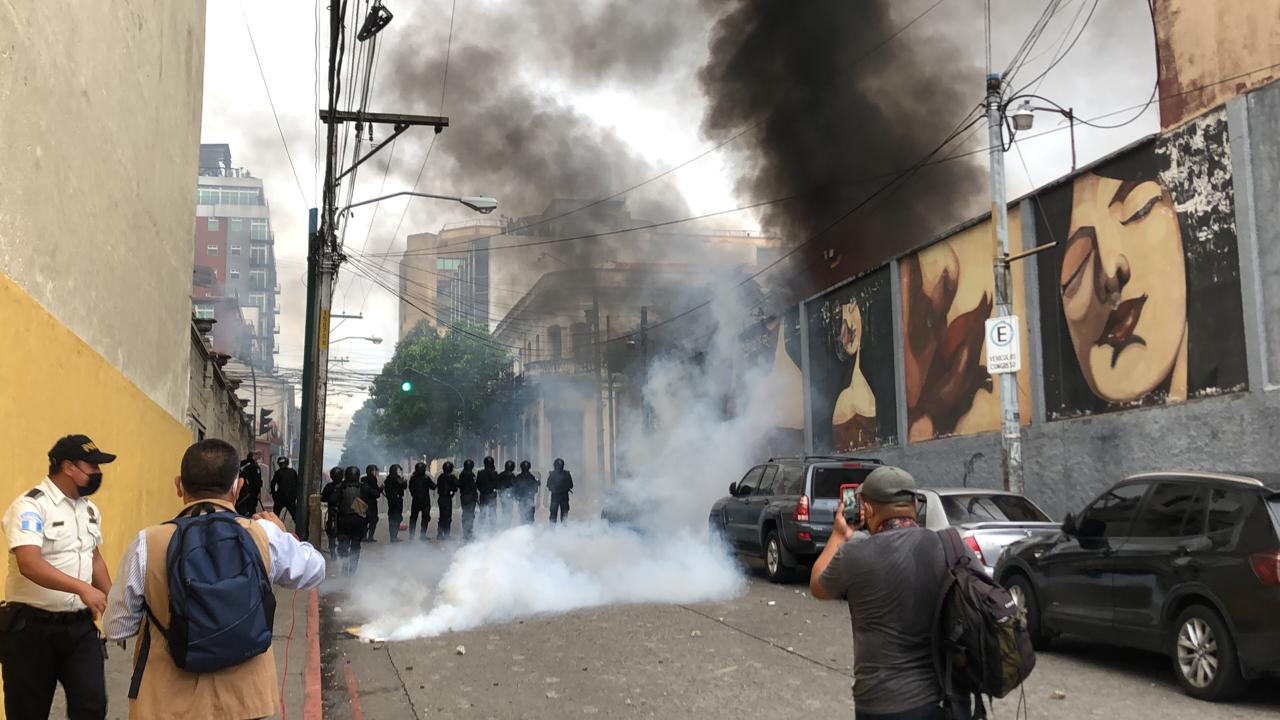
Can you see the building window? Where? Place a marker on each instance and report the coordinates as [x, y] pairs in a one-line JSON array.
[[258, 300], [237, 224], [257, 254], [235, 249], [213, 224], [207, 196], [258, 279], [211, 249], [204, 312], [257, 229], [449, 264], [233, 274]]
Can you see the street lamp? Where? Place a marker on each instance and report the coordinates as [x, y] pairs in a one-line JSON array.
[[1024, 116], [480, 203], [372, 338]]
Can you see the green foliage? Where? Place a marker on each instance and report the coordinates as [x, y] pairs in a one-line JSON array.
[[361, 447], [439, 394]]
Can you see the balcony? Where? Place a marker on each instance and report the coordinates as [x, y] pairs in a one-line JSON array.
[[561, 367]]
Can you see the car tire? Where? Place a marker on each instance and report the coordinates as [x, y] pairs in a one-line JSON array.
[[1204, 655], [1020, 588], [775, 567], [715, 532]]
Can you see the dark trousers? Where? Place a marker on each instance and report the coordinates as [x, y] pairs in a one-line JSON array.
[[444, 526], [560, 505], [395, 515], [468, 519], [351, 532], [960, 710], [419, 507], [281, 503], [38, 654], [371, 520], [488, 511]]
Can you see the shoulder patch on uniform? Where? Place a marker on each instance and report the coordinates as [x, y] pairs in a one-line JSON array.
[[35, 493], [31, 522], [92, 513]]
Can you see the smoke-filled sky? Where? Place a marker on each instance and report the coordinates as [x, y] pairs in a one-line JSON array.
[[552, 99]]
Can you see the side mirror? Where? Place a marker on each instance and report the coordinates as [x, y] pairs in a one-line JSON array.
[[733, 489], [1069, 525]]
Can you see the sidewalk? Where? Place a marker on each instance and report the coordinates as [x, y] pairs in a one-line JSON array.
[[289, 643]]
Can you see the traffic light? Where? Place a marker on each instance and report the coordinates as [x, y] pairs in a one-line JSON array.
[[264, 421], [406, 386]]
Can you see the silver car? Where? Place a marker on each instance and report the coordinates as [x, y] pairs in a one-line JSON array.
[[988, 520]]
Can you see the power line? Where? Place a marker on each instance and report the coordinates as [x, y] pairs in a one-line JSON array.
[[542, 221], [272, 103]]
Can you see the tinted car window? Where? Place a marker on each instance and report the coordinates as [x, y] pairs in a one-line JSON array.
[[827, 480], [1226, 509], [766, 485], [1112, 514], [1173, 510], [790, 480], [990, 508], [750, 481]]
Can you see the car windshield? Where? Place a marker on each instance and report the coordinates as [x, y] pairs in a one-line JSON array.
[[827, 480], [977, 507]]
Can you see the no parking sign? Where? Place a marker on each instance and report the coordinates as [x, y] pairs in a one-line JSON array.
[[1004, 352]]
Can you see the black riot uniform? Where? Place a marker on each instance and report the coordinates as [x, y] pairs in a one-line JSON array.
[[446, 488], [559, 485], [487, 487], [469, 496], [329, 497], [506, 505], [284, 490], [394, 489], [352, 523], [420, 487], [370, 481], [250, 492], [524, 488]]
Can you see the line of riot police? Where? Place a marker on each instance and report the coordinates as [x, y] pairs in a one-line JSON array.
[[501, 499]]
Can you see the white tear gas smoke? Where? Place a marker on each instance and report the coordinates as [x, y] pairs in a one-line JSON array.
[[663, 553]]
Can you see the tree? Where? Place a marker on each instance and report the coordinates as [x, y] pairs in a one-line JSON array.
[[441, 393], [362, 446]]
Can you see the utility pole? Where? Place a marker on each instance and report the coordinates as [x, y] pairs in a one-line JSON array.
[[1010, 425], [324, 254], [644, 364], [598, 386]]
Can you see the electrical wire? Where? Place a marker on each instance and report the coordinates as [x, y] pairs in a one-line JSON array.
[[1061, 56], [284, 143]]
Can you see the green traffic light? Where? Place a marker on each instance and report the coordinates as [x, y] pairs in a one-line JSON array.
[[406, 386]]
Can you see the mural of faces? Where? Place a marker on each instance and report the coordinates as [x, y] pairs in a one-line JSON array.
[[1123, 288], [1140, 301], [851, 366]]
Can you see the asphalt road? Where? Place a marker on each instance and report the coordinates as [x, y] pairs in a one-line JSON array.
[[773, 652]]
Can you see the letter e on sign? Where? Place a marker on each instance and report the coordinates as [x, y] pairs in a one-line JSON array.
[[1004, 351]]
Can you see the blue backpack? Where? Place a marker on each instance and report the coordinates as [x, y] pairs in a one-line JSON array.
[[221, 607]]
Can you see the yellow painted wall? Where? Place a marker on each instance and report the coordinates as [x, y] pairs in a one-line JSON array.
[[54, 384]]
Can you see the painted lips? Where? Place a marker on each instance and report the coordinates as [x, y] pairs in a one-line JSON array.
[[1118, 332]]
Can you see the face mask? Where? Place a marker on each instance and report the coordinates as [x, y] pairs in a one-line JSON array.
[[93, 482]]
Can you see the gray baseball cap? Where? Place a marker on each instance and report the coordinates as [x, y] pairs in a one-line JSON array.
[[888, 484]]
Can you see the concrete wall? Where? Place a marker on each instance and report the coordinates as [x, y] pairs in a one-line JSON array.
[[1211, 51], [1071, 459], [100, 123]]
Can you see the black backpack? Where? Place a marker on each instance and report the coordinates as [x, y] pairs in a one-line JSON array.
[[221, 607], [981, 644], [351, 500]]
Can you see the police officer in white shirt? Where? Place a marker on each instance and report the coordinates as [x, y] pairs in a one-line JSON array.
[[56, 587]]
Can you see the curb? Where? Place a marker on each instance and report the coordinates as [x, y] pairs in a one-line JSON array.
[[311, 705]]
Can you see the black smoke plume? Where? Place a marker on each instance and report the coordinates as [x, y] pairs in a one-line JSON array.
[[834, 104]]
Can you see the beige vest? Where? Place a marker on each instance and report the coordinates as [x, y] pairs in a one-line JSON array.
[[247, 690]]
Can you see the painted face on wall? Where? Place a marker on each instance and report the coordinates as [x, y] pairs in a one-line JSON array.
[[1123, 285], [851, 327]]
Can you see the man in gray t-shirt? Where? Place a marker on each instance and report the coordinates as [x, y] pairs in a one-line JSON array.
[[891, 575]]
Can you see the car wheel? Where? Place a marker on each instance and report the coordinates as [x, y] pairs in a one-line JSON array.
[[774, 566], [1019, 587], [715, 532], [1204, 655]]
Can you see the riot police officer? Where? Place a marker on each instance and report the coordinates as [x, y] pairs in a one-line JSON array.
[[446, 488], [559, 485], [469, 495]]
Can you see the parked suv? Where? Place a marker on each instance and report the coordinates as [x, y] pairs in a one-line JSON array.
[[782, 510], [1187, 564]]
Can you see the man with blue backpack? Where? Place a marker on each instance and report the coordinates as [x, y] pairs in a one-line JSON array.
[[198, 589]]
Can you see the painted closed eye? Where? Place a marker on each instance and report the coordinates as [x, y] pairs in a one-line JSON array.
[[1076, 260], [1143, 211]]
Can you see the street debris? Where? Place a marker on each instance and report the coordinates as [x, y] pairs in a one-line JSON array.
[[1058, 695], [696, 633], [461, 650]]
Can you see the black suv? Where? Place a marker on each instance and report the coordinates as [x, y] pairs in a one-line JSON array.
[[1187, 564], [781, 511]]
